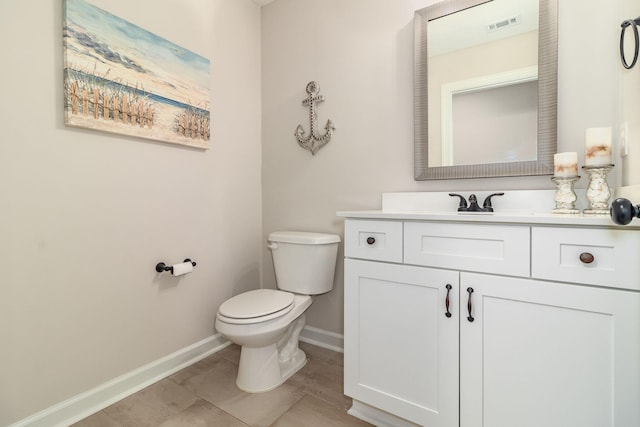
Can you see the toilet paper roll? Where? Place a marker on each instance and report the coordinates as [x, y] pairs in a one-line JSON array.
[[182, 268]]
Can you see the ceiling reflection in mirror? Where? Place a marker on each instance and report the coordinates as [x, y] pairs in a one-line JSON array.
[[479, 88]]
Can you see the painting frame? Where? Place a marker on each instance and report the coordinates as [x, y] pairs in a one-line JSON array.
[[122, 79]]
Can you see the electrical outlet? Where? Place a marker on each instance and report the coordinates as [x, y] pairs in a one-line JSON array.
[[624, 140]]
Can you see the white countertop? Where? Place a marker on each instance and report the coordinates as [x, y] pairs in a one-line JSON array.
[[515, 207], [506, 217]]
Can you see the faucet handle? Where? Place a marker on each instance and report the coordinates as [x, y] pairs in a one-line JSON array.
[[486, 205], [463, 203]]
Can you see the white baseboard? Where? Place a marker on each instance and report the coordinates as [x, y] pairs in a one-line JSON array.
[[322, 338], [82, 405]]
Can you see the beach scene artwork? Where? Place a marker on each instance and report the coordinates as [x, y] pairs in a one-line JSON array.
[[123, 79]]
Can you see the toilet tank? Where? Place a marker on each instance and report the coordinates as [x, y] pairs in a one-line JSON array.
[[304, 262]]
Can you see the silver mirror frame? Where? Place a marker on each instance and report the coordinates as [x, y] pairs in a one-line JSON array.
[[547, 98]]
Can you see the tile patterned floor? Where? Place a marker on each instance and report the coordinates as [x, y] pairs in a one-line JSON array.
[[205, 394]]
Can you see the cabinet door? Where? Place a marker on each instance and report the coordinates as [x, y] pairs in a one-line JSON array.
[[548, 354], [401, 349]]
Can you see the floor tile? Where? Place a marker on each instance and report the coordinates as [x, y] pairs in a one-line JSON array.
[[205, 394], [202, 414], [215, 381], [322, 354], [217, 385], [99, 419], [326, 382], [231, 353], [322, 376], [261, 409], [311, 411], [200, 367], [151, 406]]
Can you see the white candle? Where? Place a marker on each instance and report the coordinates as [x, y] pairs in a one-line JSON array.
[[565, 165], [597, 147]]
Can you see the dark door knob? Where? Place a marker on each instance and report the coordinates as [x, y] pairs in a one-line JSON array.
[[622, 211], [371, 240]]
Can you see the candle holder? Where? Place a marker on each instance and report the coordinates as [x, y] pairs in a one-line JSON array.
[[598, 192], [565, 197]]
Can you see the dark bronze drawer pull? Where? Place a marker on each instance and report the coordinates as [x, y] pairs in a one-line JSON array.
[[446, 301], [371, 240]]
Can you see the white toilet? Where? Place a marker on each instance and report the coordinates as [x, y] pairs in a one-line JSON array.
[[268, 322]]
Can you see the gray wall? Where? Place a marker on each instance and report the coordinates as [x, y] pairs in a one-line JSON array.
[[85, 216], [629, 107], [361, 53]]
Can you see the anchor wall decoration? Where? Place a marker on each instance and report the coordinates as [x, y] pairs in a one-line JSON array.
[[314, 141]]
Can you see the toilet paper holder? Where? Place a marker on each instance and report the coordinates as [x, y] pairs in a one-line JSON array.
[[161, 266]]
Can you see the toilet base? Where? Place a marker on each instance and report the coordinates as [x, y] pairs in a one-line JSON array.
[[265, 368], [260, 370]]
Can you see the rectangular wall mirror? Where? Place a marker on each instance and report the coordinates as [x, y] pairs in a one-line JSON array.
[[485, 88]]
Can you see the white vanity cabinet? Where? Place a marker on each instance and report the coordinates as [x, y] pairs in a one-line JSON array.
[[548, 354], [401, 350], [544, 325]]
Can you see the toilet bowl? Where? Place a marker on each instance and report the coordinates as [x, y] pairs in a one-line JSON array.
[[267, 322], [270, 353]]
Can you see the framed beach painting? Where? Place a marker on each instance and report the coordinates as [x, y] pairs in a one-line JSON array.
[[123, 79]]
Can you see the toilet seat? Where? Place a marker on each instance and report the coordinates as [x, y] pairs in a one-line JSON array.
[[256, 306]]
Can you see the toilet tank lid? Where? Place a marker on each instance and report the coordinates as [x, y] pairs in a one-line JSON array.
[[303, 237]]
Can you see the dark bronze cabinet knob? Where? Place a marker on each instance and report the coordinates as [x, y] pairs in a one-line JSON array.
[[371, 240], [586, 258]]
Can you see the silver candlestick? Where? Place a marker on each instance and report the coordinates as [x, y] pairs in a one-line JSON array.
[[598, 192], [565, 197]]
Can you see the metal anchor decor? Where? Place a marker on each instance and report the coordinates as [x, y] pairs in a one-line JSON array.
[[314, 141]]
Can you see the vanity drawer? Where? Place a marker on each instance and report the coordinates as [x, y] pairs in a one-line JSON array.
[[556, 255], [498, 249], [374, 240]]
